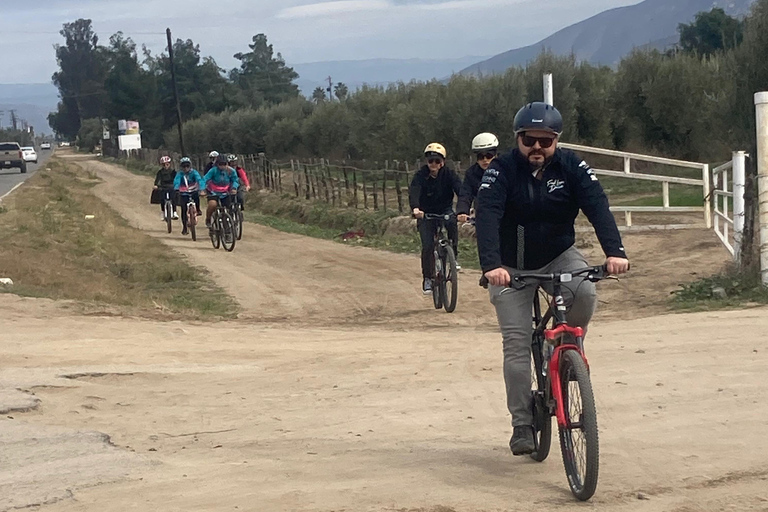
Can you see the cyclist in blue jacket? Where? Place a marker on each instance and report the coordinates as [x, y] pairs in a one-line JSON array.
[[187, 183]]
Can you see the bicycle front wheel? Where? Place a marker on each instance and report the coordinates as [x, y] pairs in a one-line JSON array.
[[437, 294], [450, 288], [228, 235], [215, 230], [169, 215], [239, 223], [578, 439]]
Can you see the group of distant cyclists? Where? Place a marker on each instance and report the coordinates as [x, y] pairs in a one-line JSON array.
[[223, 181], [526, 201]]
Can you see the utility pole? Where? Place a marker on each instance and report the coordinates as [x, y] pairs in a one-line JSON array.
[[330, 89], [175, 91], [14, 119], [2, 113]]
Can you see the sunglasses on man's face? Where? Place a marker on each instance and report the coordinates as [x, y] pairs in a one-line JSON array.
[[186, 166], [486, 156], [435, 161], [544, 142]]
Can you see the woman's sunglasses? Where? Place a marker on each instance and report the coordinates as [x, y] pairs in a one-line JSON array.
[[544, 142], [435, 161], [486, 156]]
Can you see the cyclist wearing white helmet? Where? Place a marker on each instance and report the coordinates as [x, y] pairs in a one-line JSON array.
[[187, 183], [164, 182], [211, 160], [431, 191], [484, 146]]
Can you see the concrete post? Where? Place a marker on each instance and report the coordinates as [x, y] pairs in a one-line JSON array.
[[761, 118], [548, 92], [739, 180]]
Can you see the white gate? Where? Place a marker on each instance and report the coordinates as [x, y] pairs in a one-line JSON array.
[[729, 202]]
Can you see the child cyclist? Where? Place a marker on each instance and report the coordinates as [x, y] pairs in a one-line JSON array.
[[187, 182], [221, 181]]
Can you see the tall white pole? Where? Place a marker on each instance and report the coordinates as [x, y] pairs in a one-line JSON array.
[[761, 117], [548, 93], [739, 180]]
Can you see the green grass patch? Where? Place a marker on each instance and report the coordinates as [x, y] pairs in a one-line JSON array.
[[318, 220], [729, 288], [135, 166], [52, 247]]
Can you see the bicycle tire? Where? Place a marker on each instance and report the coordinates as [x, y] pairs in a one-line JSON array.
[[450, 280], [215, 230], [542, 417], [437, 295], [192, 221], [580, 456], [228, 235], [169, 215], [239, 223]]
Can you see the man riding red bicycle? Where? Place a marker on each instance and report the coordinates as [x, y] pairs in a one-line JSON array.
[[526, 206]]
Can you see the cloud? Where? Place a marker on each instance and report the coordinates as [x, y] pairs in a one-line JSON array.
[[333, 8]]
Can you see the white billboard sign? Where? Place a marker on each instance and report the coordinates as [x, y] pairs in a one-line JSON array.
[[128, 142]]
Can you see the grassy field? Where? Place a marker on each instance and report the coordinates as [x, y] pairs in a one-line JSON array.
[[61, 241]]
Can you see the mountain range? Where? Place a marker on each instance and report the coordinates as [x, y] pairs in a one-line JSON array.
[[607, 37]]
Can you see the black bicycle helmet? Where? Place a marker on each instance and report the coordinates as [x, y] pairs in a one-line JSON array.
[[538, 116], [221, 159]]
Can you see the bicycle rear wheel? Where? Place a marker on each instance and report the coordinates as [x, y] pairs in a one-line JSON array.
[[215, 230], [169, 215], [228, 235], [450, 288], [437, 294], [578, 439], [542, 418]]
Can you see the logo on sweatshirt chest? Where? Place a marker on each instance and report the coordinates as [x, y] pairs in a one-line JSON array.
[[554, 184]]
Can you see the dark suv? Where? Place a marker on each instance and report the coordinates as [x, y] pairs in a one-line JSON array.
[[11, 156]]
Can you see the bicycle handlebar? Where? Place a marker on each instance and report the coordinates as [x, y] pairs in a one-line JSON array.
[[439, 216], [594, 274]]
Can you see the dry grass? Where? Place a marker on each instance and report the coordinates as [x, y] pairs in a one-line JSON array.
[[50, 249]]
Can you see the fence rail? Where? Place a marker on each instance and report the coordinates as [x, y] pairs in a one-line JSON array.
[[385, 186]]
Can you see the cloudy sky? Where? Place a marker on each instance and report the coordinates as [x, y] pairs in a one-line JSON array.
[[302, 30]]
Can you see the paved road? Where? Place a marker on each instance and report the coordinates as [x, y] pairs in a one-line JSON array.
[[9, 178]]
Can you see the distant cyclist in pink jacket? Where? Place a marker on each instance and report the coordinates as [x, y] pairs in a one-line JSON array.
[[245, 185]]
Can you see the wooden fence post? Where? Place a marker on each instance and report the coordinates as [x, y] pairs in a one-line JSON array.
[[295, 182], [346, 184], [354, 183], [365, 190], [307, 189], [384, 186]]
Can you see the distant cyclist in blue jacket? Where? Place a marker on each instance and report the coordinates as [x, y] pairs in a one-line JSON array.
[[187, 182]]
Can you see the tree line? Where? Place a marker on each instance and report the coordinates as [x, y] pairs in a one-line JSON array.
[[693, 101], [117, 81]]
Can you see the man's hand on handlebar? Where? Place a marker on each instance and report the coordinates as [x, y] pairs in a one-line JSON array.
[[462, 217], [498, 277], [616, 266], [418, 213]]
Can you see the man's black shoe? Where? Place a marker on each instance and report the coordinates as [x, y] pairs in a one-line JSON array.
[[522, 440]]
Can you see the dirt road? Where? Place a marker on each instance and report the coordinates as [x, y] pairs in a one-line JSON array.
[[330, 393]]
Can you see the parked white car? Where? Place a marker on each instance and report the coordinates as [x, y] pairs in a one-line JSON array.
[[30, 155], [45, 145]]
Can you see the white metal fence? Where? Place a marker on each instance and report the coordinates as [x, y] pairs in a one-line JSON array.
[[704, 183]]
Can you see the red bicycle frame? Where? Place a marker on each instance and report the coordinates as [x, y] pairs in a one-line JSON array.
[[554, 364]]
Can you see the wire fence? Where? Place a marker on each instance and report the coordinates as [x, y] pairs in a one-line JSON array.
[[343, 185]]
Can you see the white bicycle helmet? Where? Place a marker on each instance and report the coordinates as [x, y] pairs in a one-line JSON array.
[[483, 141], [435, 149], [213, 154], [165, 159]]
